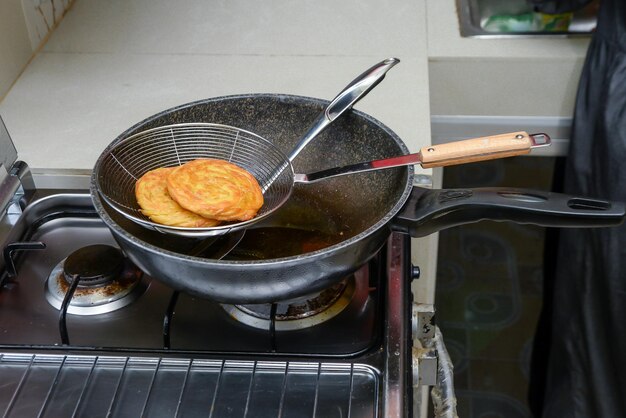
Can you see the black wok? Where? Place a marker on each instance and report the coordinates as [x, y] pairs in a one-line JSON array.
[[329, 229]]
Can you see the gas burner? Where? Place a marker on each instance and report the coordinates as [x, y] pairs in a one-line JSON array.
[[108, 281], [298, 313]]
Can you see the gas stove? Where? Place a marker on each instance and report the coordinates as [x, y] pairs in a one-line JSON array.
[[84, 332], [115, 305]]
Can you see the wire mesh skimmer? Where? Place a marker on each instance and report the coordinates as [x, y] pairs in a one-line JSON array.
[[173, 145]]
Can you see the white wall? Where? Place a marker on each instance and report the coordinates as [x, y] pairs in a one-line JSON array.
[[15, 48], [42, 16], [24, 28]]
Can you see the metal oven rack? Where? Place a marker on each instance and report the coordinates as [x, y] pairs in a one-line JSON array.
[[91, 386]]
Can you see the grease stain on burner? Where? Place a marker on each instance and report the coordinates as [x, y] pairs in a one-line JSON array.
[[300, 308], [305, 312], [108, 281], [114, 287]]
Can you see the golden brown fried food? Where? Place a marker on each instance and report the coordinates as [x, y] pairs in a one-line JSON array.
[[216, 189], [156, 203]]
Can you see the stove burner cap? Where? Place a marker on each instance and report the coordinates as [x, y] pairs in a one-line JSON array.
[[306, 311], [108, 281], [94, 265]]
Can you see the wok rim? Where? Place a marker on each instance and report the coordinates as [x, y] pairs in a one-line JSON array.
[[381, 223]]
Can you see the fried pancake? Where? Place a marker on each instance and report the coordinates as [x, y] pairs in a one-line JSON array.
[[216, 189], [156, 203]]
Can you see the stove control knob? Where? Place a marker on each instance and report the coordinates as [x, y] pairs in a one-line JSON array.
[[415, 272]]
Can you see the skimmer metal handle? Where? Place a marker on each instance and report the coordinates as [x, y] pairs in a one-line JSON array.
[[452, 153], [351, 94]]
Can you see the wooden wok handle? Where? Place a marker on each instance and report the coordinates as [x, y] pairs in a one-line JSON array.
[[478, 149]]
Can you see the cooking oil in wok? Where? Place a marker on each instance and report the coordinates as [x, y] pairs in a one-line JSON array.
[[305, 224], [276, 242]]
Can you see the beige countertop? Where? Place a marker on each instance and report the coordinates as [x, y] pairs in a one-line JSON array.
[[111, 64]]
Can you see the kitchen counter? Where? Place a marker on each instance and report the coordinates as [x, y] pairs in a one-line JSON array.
[[111, 64]]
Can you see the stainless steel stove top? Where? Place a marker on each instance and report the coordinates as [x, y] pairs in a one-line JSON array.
[[30, 319], [204, 361]]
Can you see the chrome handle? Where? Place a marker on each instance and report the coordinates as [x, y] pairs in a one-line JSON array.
[[351, 94]]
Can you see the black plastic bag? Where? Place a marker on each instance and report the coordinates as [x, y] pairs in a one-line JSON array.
[[582, 363]]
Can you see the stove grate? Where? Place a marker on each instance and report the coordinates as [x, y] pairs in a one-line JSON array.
[[117, 386]]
